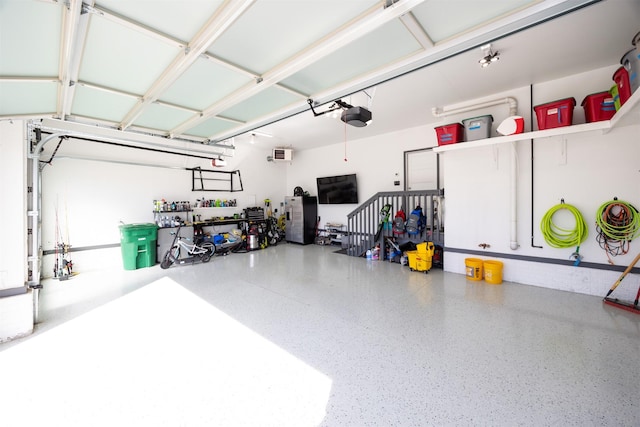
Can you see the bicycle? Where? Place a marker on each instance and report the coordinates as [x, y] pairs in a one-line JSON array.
[[197, 252]]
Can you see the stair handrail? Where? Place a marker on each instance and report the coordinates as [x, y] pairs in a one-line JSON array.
[[363, 221], [380, 194]]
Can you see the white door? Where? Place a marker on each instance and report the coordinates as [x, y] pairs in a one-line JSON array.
[[421, 170]]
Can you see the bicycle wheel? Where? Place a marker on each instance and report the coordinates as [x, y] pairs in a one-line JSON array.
[[210, 248], [169, 257]]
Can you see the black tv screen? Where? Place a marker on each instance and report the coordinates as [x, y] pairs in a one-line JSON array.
[[340, 189]]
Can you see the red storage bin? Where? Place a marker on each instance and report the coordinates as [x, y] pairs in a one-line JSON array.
[[621, 77], [555, 114], [449, 134], [598, 106]]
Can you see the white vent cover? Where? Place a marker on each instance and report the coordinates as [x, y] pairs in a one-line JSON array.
[[282, 154]]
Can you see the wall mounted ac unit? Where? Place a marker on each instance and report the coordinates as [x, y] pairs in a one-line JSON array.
[[282, 154]]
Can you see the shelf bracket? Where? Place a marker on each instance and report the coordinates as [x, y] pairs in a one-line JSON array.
[[563, 151]]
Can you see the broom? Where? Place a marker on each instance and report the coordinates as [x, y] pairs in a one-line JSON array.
[[615, 302]]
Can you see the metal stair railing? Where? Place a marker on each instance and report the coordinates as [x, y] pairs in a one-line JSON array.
[[363, 222]]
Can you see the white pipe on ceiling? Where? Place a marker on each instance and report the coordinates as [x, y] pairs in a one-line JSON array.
[[462, 108], [513, 211]]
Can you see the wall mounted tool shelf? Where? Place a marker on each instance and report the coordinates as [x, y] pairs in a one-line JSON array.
[[627, 115], [215, 180]]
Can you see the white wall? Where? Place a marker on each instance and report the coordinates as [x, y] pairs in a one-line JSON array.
[[86, 200], [16, 312], [13, 185], [377, 163], [585, 170]]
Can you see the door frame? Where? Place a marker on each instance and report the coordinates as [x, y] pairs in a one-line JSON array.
[[406, 155]]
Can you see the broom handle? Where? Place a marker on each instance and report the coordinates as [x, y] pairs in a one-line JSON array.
[[622, 276]]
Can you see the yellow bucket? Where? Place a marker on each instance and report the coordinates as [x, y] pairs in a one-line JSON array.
[[418, 261], [412, 256], [493, 272], [473, 268], [425, 248]]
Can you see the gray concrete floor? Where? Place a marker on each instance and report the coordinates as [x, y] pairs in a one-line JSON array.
[[381, 346]]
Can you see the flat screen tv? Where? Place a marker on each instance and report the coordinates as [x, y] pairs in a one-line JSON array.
[[340, 189]]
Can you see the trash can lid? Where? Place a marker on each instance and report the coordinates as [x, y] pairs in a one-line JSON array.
[[138, 226]]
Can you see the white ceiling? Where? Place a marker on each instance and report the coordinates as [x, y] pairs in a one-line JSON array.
[[210, 70]]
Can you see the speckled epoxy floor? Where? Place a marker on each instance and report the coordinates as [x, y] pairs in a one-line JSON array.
[[387, 346]]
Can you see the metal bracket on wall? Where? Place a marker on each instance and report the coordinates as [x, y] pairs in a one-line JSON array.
[[213, 180], [563, 152]]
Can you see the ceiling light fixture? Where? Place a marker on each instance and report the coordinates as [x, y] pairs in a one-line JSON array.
[[489, 56]]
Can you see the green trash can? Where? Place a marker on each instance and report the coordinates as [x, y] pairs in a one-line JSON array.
[[138, 243]]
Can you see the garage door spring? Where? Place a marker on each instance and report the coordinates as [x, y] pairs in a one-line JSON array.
[[617, 224]]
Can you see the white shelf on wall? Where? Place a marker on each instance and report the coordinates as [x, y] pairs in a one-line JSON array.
[[214, 207], [217, 211], [627, 115]]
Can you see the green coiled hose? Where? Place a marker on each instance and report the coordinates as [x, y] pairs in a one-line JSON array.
[[559, 237], [618, 220]]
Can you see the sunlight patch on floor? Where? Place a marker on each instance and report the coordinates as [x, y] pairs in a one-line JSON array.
[[159, 356]]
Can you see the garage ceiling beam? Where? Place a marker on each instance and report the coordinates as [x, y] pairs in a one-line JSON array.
[[367, 22], [81, 130], [74, 32], [411, 23], [213, 29], [136, 26]]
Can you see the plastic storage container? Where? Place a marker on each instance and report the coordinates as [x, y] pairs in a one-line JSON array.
[[138, 244], [473, 268], [621, 78], [631, 62], [555, 114], [492, 272], [477, 128], [616, 97], [598, 106], [450, 134]]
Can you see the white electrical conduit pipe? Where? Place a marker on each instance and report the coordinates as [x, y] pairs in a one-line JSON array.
[[513, 177], [513, 172], [463, 108]]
